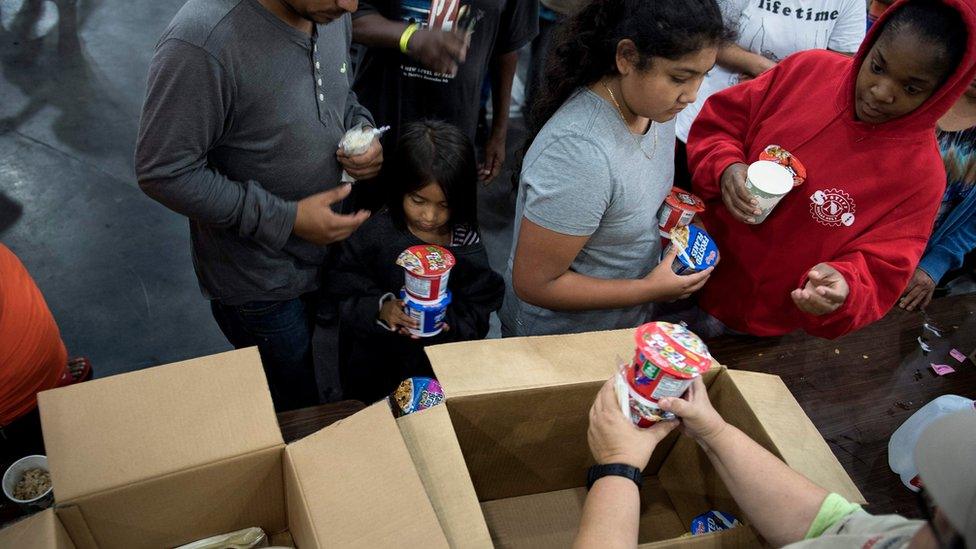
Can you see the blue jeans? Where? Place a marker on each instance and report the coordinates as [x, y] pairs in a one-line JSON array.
[[282, 332]]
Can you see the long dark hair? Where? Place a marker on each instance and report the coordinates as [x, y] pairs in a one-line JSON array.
[[585, 47], [432, 151]]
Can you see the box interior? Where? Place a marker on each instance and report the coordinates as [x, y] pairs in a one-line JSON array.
[[527, 456]]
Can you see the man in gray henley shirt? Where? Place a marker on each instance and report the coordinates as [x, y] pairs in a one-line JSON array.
[[247, 102]]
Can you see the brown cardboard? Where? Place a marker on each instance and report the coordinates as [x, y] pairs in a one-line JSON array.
[[40, 531], [169, 455], [436, 455], [368, 494], [519, 410]]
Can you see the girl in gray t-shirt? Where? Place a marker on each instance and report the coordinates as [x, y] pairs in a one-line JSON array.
[[586, 249]]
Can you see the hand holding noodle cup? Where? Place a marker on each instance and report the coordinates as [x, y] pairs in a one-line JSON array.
[[667, 359], [767, 182], [696, 250], [425, 295]]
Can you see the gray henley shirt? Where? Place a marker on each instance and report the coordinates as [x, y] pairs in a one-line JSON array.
[[243, 116]]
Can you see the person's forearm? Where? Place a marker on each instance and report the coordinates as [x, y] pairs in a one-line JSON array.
[[376, 31], [502, 74], [736, 59], [576, 292], [611, 515], [779, 502]]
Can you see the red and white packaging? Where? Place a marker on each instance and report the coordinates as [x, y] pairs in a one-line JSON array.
[[427, 268], [679, 208]]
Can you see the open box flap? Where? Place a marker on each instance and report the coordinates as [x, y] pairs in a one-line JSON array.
[[353, 484], [40, 531], [496, 365], [131, 427], [436, 454], [795, 437]]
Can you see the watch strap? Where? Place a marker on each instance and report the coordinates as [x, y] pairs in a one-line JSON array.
[[597, 472]]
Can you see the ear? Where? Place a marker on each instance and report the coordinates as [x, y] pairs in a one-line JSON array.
[[627, 57]]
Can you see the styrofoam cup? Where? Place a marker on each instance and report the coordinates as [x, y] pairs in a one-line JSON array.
[[768, 182], [16, 471]]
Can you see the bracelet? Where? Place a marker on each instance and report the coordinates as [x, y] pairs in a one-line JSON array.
[[405, 37], [597, 472]]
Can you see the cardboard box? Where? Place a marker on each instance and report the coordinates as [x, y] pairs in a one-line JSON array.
[[519, 411], [172, 454], [169, 455]]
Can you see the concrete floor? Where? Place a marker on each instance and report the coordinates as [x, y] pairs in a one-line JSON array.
[[114, 266]]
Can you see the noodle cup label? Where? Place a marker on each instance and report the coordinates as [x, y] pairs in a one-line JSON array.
[[427, 269], [768, 182], [643, 412], [667, 359], [678, 210], [783, 157], [696, 250], [428, 314]]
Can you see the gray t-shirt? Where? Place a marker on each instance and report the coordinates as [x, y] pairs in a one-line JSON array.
[[584, 175], [242, 119]]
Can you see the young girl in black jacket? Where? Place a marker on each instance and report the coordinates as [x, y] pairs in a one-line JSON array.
[[432, 181]]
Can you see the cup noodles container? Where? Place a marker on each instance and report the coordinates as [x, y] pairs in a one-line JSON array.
[[678, 210], [783, 157], [696, 250], [667, 359], [428, 314], [768, 182], [427, 269], [416, 394]]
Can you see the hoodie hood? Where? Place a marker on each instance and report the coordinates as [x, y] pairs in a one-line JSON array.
[[924, 118]]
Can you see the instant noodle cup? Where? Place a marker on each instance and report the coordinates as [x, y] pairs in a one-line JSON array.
[[416, 394], [428, 314], [783, 157], [768, 182], [427, 269], [696, 250], [667, 360], [678, 210]]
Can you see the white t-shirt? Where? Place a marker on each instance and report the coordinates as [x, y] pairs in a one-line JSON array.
[[776, 29]]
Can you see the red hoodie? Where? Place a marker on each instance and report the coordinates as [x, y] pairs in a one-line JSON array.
[[888, 179]]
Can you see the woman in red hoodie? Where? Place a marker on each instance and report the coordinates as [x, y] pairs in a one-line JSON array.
[[838, 250]]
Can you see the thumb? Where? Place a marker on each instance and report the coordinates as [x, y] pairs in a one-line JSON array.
[[337, 194], [677, 406], [670, 255]]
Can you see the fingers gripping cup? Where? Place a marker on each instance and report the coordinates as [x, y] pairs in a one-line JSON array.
[[768, 182], [427, 269], [696, 250], [429, 315], [667, 360]]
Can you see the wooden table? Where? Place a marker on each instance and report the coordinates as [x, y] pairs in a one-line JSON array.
[[859, 388], [300, 423]]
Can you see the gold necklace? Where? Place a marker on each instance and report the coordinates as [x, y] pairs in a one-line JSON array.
[[637, 140]]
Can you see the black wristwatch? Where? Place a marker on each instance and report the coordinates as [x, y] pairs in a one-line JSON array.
[[617, 469]]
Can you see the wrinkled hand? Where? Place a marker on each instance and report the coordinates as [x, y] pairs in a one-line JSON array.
[[919, 292], [494, 157], [825, 291], [666, 286], [316, 222], [363, 166], [742, 205], [439, 51], [615, 439], [699, 419]]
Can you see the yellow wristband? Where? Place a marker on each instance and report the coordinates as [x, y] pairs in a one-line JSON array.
[[405, 37]]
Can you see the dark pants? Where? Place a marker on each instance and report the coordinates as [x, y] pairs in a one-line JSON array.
[[282, 331], [21, 438]]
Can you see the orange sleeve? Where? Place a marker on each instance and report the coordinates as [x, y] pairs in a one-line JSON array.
[[32, 355]]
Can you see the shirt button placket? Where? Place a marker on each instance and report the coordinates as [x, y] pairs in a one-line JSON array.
[[317, 75]]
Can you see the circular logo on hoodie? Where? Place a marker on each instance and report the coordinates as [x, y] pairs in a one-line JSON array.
[[832, 208]]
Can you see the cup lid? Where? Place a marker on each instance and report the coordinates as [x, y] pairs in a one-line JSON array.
[[770, 177]]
